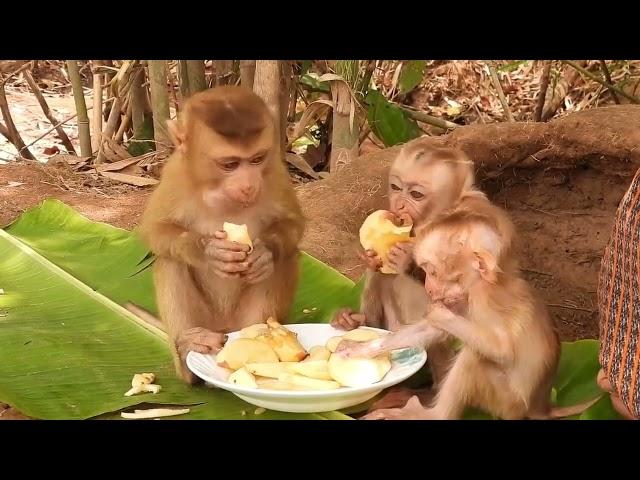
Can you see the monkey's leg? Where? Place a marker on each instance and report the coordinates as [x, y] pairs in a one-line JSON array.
[[398, 397], [181, 307], [457, 389]]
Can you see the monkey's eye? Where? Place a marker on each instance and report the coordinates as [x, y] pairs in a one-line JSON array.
[[229, 166], [257, 160], [417, 195], [395, 187]]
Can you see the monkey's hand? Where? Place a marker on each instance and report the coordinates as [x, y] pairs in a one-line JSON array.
[[228, 259], [401, 256], [199, 340], [347, 319], [351, 349], [260, 263], [371, 260], [413, 410]]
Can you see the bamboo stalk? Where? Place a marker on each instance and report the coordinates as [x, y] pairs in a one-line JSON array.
[[607, 75], [84, 131], [544, 85], [197, 81], [503, 100], [430, 119], [124, 125], [110, 128], [159, 101], [267, 86], [97, 106], [47, 112], [247, 73]]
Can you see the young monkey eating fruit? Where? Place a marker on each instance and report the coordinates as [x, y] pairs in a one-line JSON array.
[[224, 223], [510, 351], [424, 181]]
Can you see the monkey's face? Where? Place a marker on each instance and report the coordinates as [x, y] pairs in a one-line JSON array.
[[417, 191], [230, 172]]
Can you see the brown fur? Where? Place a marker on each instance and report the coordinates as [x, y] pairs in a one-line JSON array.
[[180, 221]]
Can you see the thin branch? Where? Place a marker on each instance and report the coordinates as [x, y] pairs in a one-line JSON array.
[[544, 85], [13, 74], [607, 75], [4, 132], [71, 117], [14, 136], [47, 112], [84, 131], [426, 118], [595, 78], [503, 100]]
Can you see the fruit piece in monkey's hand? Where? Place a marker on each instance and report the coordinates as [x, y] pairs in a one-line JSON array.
[[238, 234], [380, 232]]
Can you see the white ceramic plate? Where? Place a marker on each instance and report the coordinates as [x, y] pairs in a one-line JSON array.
[[404, 363]]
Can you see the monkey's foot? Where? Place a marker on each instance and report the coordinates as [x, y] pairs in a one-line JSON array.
[[413, 410], [398, 397]]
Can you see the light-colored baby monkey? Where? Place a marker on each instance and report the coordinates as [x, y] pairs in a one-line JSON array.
[[510, 350]]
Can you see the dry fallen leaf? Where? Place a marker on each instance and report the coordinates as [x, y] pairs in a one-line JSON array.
[[14, 184], [115, 166], [130, 179], [301, 164]]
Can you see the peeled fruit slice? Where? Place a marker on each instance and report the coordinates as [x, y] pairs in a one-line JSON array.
[[357, 335], [271, 370], [254, 331], [318, 352], [237, 233], [361, 335], [379, 233], [313, 369], [243, 378], [310, 383], [358, 372], [239, 352], [284, 342], [272, 384]]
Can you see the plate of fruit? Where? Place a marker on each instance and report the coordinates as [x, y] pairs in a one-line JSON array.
[[295, 368]]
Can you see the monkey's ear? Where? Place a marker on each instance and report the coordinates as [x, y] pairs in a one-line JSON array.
[[486, 264], [177, 134]]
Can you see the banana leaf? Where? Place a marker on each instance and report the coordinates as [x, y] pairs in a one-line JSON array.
[[68, 349]]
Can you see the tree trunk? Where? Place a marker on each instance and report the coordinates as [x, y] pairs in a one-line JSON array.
[[247, 73], [267, 86], [192, 78], [159, 102], [345, 135], [84, 131]]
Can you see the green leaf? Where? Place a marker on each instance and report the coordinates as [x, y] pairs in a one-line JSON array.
[[69, 352], [411, 75], [389, 122], [310, 80], [577, 373], [510, 67]]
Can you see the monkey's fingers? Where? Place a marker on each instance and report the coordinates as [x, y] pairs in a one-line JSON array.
[[230, 267], [221, 244], [376, 415], [353, 320]]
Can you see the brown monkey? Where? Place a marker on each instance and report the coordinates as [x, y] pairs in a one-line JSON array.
[[510, 350], [226, 168], [424, 181]]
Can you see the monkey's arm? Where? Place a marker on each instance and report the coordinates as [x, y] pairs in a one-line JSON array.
[[421, 334], [283, 235], [491, 343], [371, 305], [172, 241]]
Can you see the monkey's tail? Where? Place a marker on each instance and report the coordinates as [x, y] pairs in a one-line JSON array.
[[562, 412], [145, 315]]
